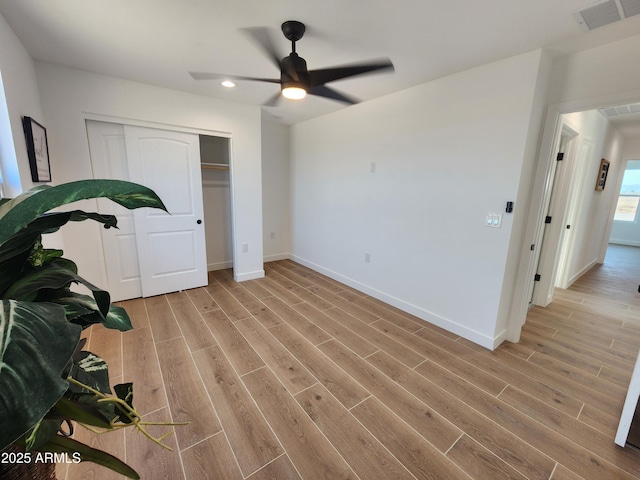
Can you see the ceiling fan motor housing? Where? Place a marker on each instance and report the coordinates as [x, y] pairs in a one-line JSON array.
[[294, 72]]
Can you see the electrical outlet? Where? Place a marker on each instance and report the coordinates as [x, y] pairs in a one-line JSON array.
[[367, 258], [245, 247]]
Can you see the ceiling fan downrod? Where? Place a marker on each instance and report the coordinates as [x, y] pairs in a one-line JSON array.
[[293, 31]]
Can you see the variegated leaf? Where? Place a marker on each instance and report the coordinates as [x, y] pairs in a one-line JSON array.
[[90, 369], [117, 317], [36, 343], [19, 212], [54, 275]]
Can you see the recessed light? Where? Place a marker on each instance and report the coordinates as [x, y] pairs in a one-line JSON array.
[[228, 84]]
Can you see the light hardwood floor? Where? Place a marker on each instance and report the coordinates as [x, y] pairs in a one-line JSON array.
[[298, 376]]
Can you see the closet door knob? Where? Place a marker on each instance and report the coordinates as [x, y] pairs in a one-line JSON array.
[[199, 222]]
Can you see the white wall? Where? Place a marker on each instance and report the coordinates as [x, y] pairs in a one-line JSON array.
[[17, 75], [445, 154], [598, 76], [276, 205], [627, 233], [68, 96]]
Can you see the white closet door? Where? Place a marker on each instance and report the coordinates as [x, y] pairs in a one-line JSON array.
[[171, 246], [109, 160]]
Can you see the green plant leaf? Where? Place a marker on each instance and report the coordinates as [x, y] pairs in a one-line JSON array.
[[52, 276], [91, 370], [83, 310], [81, 412], [36, 343], [22, 210], [60, 444], [117, 319], [19, 247], [124, 391], [13, 258], [41, 433], [52, 221], [40, 255]]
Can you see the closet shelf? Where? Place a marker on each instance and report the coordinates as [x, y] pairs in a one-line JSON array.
[[214, 166]]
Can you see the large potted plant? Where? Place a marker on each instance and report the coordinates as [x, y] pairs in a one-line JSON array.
[[48, 383]]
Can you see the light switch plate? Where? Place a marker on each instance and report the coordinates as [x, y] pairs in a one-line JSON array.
[[493, 220]]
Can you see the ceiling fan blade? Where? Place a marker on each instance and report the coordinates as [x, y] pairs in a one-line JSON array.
[[324, 91], [221, 76], [262, 37], [325, 75], [273, 101]]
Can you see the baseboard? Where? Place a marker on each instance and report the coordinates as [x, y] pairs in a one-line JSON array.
[[275, 258], [465, 332], [243, 277], [584, 270], [212, 267], [628, 243]]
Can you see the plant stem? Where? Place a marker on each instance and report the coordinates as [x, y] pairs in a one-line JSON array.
[[131, 414]]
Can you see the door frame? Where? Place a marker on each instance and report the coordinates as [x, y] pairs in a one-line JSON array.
[[184, 129], [554, 201]]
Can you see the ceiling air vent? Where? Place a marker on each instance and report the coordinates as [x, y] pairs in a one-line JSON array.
[[621, 110], [605, 12], [630, 7]]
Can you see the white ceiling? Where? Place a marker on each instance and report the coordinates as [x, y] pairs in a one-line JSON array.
[[159, 41]]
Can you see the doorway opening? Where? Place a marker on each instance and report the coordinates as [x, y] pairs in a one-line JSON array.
[[215, 153], [590, 230]]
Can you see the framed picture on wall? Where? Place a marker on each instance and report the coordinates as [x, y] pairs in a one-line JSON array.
[[37, 149], [602, 174]]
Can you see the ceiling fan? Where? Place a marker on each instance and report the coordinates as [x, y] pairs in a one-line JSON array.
[[296, 81]]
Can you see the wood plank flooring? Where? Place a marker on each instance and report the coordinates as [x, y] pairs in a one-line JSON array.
[[298, 376]]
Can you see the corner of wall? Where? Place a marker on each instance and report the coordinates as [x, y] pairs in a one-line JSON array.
[[513, 304]]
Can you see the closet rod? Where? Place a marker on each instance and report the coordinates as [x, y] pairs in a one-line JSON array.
[[214, 166]]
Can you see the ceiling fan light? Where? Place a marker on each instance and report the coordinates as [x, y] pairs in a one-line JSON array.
[[294, 93]]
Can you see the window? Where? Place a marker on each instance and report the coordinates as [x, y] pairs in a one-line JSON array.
[[629, 199]]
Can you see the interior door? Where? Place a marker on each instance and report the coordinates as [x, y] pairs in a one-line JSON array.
[[170, 246], [109, 160], [547, 242]]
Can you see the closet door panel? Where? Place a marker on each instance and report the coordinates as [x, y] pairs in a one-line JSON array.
[[171, 246], [109, 160]]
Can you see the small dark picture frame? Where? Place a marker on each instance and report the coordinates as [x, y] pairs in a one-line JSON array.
[[37, 149], [602, 174]]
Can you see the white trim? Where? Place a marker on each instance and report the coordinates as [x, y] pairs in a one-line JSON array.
[[248, 276], [212, 267], [276, 257], [630, 404], [150, 124], [469, 334], [575, 277], [624, 242]]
